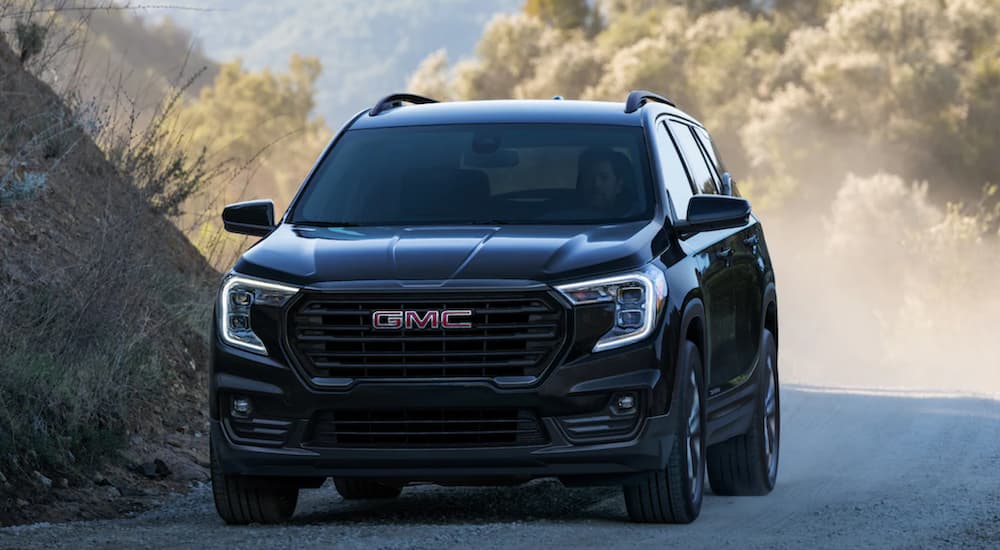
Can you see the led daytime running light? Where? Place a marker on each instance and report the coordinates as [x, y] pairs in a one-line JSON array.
[[638, 298], [237, 298]]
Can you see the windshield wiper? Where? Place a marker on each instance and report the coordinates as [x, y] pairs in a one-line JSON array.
[[310, 223], [316, 223]]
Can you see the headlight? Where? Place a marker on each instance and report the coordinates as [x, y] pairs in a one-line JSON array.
[[638, 298], [237, 297]]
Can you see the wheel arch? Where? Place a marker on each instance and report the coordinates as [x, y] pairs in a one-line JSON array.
[[769, 312], [693, 327]]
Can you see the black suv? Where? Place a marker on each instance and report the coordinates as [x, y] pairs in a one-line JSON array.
[[488, 292]]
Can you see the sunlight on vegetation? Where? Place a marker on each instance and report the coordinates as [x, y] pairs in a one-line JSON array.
[[864, 131]]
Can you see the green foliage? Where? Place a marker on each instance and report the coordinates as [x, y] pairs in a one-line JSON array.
[[894, 78], [96, 287], [507, 54], [79, 361], [561, 14], [865, 125], [258, 124], [567, 71], [796, 93], [243, 112]]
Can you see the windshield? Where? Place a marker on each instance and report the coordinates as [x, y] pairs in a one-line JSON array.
[[481, 174]]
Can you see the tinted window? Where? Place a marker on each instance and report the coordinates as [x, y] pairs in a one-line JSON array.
[[701, 174], [714, 155], [674, 175], [709, 146], [481, 174]]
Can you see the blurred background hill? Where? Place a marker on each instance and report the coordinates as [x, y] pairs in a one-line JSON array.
[[368, 49]]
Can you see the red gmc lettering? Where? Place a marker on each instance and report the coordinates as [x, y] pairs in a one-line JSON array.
[[448, 318], [430, 319], [387, 319], [394, 319]]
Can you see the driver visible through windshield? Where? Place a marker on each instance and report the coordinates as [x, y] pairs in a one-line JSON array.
[[481, 174]]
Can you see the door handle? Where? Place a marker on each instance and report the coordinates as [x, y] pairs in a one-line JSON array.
[[724, 252]]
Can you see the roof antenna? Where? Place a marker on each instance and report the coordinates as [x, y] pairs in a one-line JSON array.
[[557, 97]]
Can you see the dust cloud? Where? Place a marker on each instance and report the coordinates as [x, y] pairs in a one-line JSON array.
[[883, 289]]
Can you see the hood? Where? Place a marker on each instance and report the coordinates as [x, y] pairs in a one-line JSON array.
[[316, 255]]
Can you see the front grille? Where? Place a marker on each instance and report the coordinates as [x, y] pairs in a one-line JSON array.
[[512, 334], [426, 428]]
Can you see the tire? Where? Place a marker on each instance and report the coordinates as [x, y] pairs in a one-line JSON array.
[[356, 488], [674, 495], [747, 465], [239, 502]]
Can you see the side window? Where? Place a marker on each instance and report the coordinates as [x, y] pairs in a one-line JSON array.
[[674, 175], [701, 174], [713, 153]]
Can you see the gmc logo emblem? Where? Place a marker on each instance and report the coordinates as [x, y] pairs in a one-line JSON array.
[[395, 319]]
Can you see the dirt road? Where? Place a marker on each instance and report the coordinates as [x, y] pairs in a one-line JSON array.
[[858, 469]]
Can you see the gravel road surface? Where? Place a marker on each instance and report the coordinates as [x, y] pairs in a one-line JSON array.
[[879, 469]]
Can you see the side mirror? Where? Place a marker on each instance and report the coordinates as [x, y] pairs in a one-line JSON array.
[[727, 184], [249, 218], [711, 212]]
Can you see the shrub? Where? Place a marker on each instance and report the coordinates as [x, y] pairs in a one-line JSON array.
[[30, 39]]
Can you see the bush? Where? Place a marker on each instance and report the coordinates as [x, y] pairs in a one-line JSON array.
[[100, 296], [82, 353], [30, 39]]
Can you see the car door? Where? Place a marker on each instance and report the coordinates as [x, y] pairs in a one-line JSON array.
[[748, 261], [706, 248], [728, 283]]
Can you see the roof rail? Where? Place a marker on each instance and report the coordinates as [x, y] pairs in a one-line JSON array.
[[395, 100], [638, 98]]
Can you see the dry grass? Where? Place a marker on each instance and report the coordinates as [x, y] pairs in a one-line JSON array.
[[104, 302]]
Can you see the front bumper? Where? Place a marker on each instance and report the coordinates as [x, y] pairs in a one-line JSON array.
[[559, 458], [584, 387]]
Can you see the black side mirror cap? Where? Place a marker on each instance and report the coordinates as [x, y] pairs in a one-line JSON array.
[[711, 212], [249, 218]]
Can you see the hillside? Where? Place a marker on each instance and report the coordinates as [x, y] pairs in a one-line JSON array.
[[103, 315], [118, 46], [367, 49]]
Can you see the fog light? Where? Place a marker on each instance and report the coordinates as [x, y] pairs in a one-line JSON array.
[[241, 406], [626, 402]]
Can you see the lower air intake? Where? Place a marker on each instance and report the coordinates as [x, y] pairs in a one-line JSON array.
[[426, 428]]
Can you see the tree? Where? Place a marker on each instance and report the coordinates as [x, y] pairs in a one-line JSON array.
[[795, 96], [560, 14], [243, 112], [260, 121], [431, 77], [507, 54], [900, 86]]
